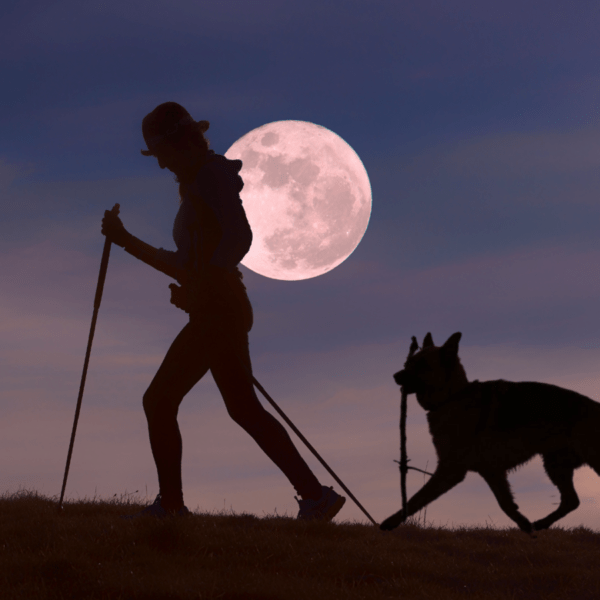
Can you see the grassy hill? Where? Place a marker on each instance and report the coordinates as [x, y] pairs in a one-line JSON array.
[[87, 552]]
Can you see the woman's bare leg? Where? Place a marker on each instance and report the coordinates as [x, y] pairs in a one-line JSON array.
[[184, 365], [245, 409]]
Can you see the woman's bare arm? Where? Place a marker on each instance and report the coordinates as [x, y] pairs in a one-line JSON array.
[[148, 254]]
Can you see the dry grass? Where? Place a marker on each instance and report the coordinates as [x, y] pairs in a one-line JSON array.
[[87, 552]]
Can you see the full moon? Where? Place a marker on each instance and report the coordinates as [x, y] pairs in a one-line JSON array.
[[307, 197]]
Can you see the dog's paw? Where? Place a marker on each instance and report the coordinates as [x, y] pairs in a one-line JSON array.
[[540, 525], [527, 527]]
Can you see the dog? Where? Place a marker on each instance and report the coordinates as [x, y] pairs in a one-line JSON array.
[[493, 427]]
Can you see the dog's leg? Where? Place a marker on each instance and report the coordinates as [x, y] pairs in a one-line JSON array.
[[444, 479], [560, 467], [501, 488]]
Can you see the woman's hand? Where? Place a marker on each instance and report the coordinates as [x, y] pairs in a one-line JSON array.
[[113, 229], [179, 297], [184, 277], [206, 286]]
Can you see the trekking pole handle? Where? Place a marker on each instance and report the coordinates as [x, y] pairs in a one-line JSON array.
[[104, 263]]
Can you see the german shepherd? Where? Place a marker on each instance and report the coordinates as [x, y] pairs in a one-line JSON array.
[[493, 427]]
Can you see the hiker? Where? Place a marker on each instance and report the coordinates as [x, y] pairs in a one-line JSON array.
[[212, 235]]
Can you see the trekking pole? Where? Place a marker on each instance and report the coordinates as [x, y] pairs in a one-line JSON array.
[[264, 393], [99, 288]]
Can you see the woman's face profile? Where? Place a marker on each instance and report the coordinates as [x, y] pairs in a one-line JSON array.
[[168, 157], [182, 161]]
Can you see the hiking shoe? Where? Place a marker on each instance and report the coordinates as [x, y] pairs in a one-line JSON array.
[[323, 509], [157, 511]]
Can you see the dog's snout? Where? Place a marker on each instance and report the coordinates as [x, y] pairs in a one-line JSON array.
[[399, 377], [407, 381]]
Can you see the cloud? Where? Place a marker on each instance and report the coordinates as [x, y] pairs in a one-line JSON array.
[[514, 154], [526, 153]]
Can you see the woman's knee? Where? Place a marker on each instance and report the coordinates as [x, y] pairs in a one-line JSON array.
[[247, 416], [149, 402], [158, 405]]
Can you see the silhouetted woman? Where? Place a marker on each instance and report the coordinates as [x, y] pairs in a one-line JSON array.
[[212, 235]]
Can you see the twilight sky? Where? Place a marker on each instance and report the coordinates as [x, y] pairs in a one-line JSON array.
[[478, 123]]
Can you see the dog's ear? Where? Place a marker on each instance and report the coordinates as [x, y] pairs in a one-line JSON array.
[[449, 351], [451, 345], [428, 341]]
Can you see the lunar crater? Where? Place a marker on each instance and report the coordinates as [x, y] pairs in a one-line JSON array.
[[269, 139]]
